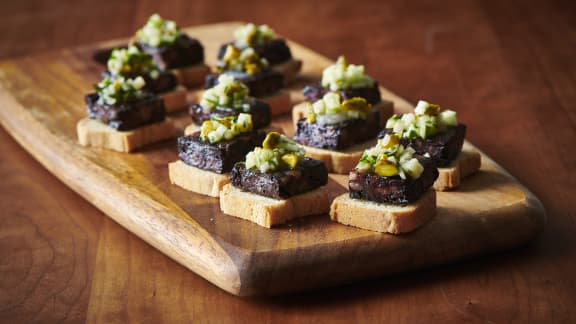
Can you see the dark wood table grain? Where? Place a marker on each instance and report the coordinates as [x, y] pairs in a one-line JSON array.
[[508, 67]]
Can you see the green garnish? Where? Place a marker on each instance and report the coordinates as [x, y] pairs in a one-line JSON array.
[[131, 61], [158, 32], [389, 158], [332, 110], [245, 60], [227, 93], [426, 121], [219, 129], [342, 76], [278, 152], [120, 90], [251, 35]]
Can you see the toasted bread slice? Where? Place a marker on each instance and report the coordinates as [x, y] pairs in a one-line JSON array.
[[340, 162], [269, 212], [94, 133], [465, 164], [289, 69], [385, 110], [197, 180], [174, 100], [385, 218], [193, 75]]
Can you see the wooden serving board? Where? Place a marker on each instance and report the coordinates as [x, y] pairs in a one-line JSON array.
[[41, 99]]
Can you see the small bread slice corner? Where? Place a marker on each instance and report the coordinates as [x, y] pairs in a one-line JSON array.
[[384, 218], [269, 212], [197, 180], [289, 69], [96, 134], [465, 164], [340, 162], [175, 100], [298, 112], [193, 75], [191, 129], [385, 110]]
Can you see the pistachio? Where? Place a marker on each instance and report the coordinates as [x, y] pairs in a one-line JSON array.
[[390, 140], [271, 140], [385, 169], [232, 52], [291, 159], [356, 104]]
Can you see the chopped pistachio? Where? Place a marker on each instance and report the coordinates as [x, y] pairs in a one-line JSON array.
[[390, 141], [232, 52], [271, 140], [356, 104], [385, 168]]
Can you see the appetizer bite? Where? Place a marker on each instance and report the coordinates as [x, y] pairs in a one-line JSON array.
[[171, 49], [131, 62], [389, 190], [337, 130], [207, 156], [247, 66], [276, 184], [349, 81], [268, 46], [438, 135], [229, 98], [123, 117]]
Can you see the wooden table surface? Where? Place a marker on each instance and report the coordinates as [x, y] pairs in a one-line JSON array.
[[508, 67]]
